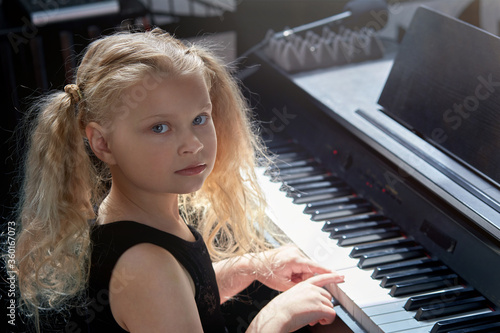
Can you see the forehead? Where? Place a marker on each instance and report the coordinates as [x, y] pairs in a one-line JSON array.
[[172, 94]]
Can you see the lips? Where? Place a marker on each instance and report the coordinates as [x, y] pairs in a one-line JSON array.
[[192, 170]]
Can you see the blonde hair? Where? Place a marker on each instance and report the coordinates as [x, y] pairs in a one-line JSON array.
[[64, 182]]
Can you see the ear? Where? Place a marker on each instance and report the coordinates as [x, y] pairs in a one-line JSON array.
[[96, 135]]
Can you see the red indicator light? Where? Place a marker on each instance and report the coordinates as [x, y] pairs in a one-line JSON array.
[[335, 152]]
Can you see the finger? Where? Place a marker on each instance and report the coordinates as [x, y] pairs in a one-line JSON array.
[[324, 279]]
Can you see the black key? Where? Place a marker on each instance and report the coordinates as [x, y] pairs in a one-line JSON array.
[[289, 167], [413, 275], [317, 178], [381, 271], [297, 175], [486, 328], [322, 206], [466, 322], [320, 194], [337, 232], [330, 224], [359, 250], [374, 236], [415, 302], [281, 165], [287, 149], [392, 255], [305, 187], [433, 283], [293, 171], [335, 211], [279, 142], [292, 156], [451, 308]]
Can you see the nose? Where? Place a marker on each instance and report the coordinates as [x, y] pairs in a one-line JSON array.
[[190, 144]]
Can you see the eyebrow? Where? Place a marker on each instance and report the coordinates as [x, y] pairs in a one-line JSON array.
[[171, 114]]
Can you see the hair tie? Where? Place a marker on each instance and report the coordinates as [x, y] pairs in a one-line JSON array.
[[74, 91]]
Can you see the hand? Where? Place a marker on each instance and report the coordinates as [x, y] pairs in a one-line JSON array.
[[306, 303], [284, 267]]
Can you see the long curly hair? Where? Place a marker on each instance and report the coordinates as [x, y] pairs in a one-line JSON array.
[[64, 182]]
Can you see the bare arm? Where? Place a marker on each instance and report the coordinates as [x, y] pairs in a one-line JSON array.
[[279, 269], [151, 292]]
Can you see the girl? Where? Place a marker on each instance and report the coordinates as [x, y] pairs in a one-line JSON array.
[[155, 137]]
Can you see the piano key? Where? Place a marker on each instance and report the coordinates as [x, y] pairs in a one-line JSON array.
[[486, 328], [448, 308], [278, 141], [412, 274], [325, 205], [309, 169], [373, 236], [316, 178], [381, 271], [290, 148], [281, 165], [359, 250], [306, 235], [352, 219], [335, 211], [384, 257], [416, 302], [292, 156], [413, 326], [427, 285], [296, 175], [466, 322], [320, 194], [360, 291], [338, 231], [305, 187]]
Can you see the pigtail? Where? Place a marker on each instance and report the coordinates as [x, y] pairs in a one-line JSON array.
[[53, 243]]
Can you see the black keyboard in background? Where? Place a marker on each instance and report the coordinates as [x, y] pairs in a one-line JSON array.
[[436, 298], [42, 12]]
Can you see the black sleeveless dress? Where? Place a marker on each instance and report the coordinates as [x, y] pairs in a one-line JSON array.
[[110, 241]]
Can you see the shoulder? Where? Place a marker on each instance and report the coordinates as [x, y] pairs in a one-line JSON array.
[[149, 289]]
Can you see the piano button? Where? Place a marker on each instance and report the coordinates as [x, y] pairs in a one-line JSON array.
[[450, 308], [413, 275], [335, 211], [416, 302], [486, 328], [338, 231], [359, 250], [384, 257], [430, 284], [466, 322], [322, 206], [381, 271], [374, 236], [320, 194]]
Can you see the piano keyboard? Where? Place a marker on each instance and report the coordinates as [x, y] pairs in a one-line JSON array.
[[392, 284]]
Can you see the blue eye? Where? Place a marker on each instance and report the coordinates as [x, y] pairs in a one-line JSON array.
[[160, 128], [200, 120]]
